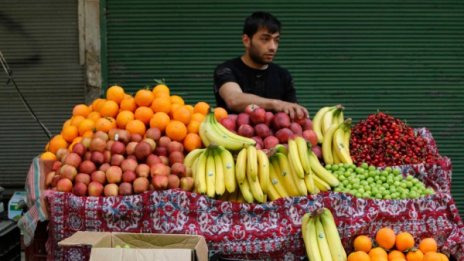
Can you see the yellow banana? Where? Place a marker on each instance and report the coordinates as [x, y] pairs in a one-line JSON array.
[[255, 189], [285, 174], [220, 135], [229, 169], [336, 159], [321, 172], [192, 156], [263, 170], [333, 237], [340, 148], [252, 163], [310, 184], [219, 181], [328, 120], [210, 175], [308, 229], [347, 137], [245, 191], [327, 153], [200, 173], [322, 242], [241, 165], [320, 184], [339, 115], [281, 148], [317, 122], [299, 182], [275, 184], [272, 193], [303, 153], [294, 158]]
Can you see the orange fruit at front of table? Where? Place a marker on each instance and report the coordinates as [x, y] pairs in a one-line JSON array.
[[414, 255], [128, 104], [358, 256], [115, 93], [144, 114], [159, 120], [385, 238], [109, 109], [201, 107], [428, 245], [105, 124], [161, 105], [69, 133], [395, 254], [378, 253], [136, 126], [362, 243], [432, 256], [192, 141], [144, 97], [56, 143], [123, 118], [220, 113], [81, 109], [404, 241], [176, 130], [182, 114]]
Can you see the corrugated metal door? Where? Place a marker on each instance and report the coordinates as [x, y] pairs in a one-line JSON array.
[[39, 41], [402, 57]]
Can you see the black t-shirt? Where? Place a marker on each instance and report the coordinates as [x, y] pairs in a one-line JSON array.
[[274, 82]]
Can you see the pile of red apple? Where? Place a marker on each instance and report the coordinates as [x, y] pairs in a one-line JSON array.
[[120, 163], [269, 129]]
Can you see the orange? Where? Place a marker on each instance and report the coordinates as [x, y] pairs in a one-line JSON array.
[[415, 256], [136, 126], [144, 97], [196, 116], [432, 256], [143, 114], [176, 99], [362, 243], [192, 141], [398, 259], [404, 241], [82, 110], [76, 120], [385, 238], [128, 104], [48, 156], [220, 113], [69, 133], [161, 89], [87, 134], [86, 125], [201, 107], [105, 124], [190, 107], [359, 256], [95, 115], [57, 142], [428, 245], [378, 253], [97, 104], [159, 120], [67, 123], [123, 118], [193, 127], [174, 106], [161, 105], [182, 114], [443, 257], [115, 93], [109, 109], [176, 130], [396, 254]]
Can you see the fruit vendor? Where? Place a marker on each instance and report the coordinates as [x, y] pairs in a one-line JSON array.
[[253, 78]]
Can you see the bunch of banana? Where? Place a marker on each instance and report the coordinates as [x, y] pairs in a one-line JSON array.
[[213, 133], [252, 174], [326, 117], [213, 170], [336, 143], [308, 171], [321, 238]]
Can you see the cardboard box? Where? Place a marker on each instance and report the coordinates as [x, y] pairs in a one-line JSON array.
[[115, 246]]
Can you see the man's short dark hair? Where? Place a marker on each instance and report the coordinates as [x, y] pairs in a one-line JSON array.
[[258, 20]]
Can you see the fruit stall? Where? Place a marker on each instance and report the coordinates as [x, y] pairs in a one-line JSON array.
[[257, 185]]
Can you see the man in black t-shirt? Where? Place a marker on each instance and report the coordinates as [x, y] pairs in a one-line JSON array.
[[253, 78]]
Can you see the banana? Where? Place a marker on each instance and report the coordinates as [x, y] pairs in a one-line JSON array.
[[339, 115], [220, 135], [202, 133], [241, 165], [192, 156], [336, 159], [263, 170], [299, 182], [220, 186], [272, 192], [321, 172], [317, 122], [328, 120], [229, 169], [340, 148], [294, 158], [310, 184], [210, 175], [275, 184], [200, 173], [327, 153], [255, 189], [347, 136], [320, 184], [303, 153], [308, 229], [333, 237], [281, 148], [285, 177], [245, 191], [322, 242], [252, 163]]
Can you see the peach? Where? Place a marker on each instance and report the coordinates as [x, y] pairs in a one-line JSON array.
[[87, 166], [79, 149], [176, 156], [142, 150], [64, 185], [55, 180], [97, 157], [140, 185], [317, 150], [173, 181], [159, 169], [86, 142], [107, 156], [142, 170], [130, 148], [104, 167], [113, 174], [80, 189], [82, 178], [97, 144], [160, 182], [175, 146], [161, 151], [68, 171], [61, 154], [153, 133], [186, 183], [95, 189], [101, 134], [116, 159], [118, 147], [125, 188], [72, 159], [136, 137], [56, 165], [111, 190], [98, 176], [49, 178], [129, 164], [164, 141], [178, 169], [164, 160], [152, 143], [87, 155], [152, 159], [129, 176]]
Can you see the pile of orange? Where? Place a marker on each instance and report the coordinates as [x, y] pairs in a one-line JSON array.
[[148, 108], [389, 246]]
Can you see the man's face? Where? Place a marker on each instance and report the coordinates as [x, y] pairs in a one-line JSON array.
[[262, 47]]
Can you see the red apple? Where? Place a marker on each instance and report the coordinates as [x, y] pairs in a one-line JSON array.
[[262, 130], [283, 135], [118, 147], [68, 171], [296, 128], [159, 169], [175, 146], [97, 157], [310, 136], [258, 116], [116, 159], [97, 144], [281, 120], [129, 164], [246, 131], [153, 133], [250, 108], [242, 119], [229, 123], [269, 118], [317, 150], [270, 142], [152, 159], [164, 141], [79, 149], [161, 151], [142, 150]]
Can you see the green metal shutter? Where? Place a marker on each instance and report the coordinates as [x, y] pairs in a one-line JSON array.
[[39, 41], [402, 57]]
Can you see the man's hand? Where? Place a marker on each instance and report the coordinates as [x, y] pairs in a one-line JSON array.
[[294, 110]]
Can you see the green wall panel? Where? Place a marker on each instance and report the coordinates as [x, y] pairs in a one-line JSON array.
[[402, 57]]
